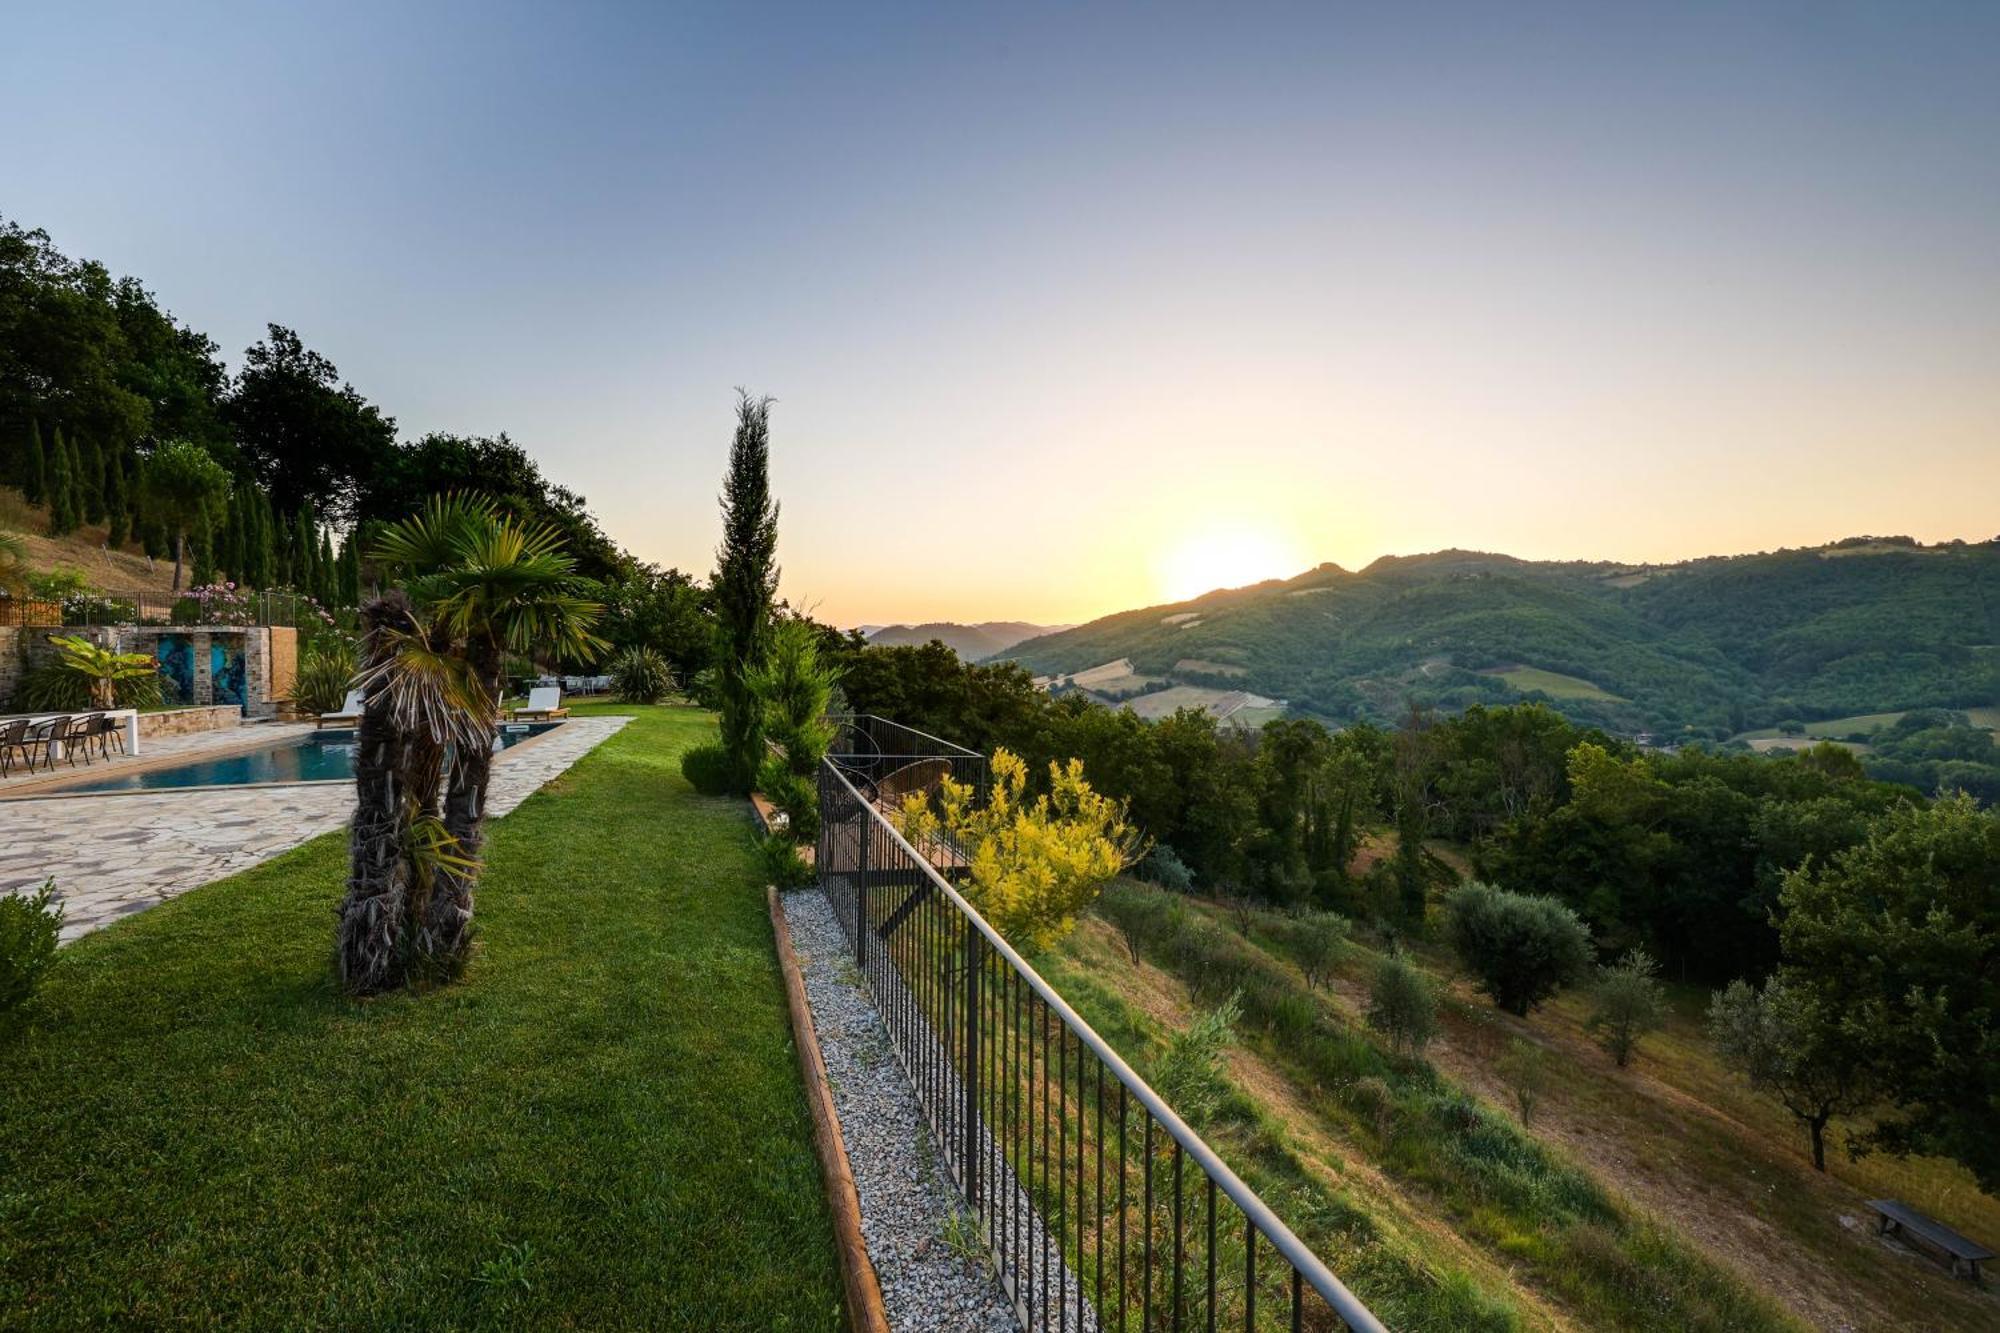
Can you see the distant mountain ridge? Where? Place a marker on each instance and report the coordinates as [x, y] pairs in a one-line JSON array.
[[1703, 647], [972, 642]]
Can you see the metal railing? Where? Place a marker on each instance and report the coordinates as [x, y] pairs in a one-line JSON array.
[[871, 749], [1100, 1207], [194, 607]]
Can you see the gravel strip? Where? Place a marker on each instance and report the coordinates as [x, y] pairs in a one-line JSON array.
[[934, 1271]]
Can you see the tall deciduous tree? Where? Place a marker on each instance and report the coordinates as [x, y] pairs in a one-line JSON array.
[[745, 583], [1897, 942], [180, 481], [1789, 1044], [308, 437]]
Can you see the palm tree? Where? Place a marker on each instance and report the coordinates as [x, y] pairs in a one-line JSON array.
[[418, 700], [493, 585]]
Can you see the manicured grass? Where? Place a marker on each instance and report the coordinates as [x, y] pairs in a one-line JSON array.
[[601, 1125]]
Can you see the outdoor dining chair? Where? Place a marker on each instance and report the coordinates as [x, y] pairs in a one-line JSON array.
[[14, 737]]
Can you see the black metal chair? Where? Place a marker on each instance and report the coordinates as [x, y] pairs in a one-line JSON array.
[[110, 729], [14, 736]]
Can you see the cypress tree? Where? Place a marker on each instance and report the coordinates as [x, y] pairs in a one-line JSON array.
[[201, 547], [62, 489], [90, 477], [281, 551], [117, 505], [327, 591], [263, 560], [78, 490], [350, 570], [746, 581], [36, 487], [303, 574]]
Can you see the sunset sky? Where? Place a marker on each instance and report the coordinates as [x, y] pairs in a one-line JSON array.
[[1075, 308]]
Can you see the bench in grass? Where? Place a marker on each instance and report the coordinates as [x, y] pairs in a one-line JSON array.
[[1907, 1222]]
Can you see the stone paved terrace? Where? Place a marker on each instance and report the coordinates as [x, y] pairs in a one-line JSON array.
[[116, 855]]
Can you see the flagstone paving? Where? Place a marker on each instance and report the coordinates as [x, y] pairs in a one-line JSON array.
[[112, 856]]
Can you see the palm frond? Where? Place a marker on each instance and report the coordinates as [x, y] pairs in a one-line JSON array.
[[429, 690]]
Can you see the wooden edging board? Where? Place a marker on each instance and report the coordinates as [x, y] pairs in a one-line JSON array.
[[861, 1291]]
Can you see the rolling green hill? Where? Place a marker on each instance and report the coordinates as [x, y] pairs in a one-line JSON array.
[[1708, 647]]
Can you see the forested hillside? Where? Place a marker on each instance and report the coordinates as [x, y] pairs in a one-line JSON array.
[[972, 642], [1699, 650]]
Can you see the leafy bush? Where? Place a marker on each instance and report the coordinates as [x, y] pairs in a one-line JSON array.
[[1138, 915], [795, 797], [709, 770], [1035, 863], [793, 688], [1627, 1004], [325, 674], [30, 925], [1403, 1004], [641, 676], [55, 688], [1522, 949], [1164, 867], [1317, 940], [1189, 1075], [782, 865]]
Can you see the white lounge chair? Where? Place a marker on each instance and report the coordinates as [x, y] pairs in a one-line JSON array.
[[544, 701], [350, 712]]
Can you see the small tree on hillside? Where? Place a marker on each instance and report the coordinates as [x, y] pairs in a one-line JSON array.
[[1626, 1004], [1789, 1045], [1522, 949], [1524, 1068], [745, 583], [1403, 1004], [1318, 940], [180, 480]]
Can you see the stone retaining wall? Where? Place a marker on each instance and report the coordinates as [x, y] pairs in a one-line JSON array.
[[181, 721]]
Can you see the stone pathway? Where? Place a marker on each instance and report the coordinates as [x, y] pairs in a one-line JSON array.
[[115, 855]]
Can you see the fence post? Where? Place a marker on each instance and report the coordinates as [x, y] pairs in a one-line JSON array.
[[969, 1076], [861, 891]]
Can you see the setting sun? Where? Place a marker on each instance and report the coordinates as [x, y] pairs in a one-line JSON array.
[[1225, 558]]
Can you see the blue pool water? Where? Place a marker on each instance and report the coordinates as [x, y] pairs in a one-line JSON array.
[[324, 756]]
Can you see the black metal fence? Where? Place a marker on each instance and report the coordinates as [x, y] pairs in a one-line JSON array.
[[884, 758], [1100, 1207], [199, 606]]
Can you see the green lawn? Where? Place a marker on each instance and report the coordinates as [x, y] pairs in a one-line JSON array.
[[601, 1126]]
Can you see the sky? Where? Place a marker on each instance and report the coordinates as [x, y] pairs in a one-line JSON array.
[[1074, 308]]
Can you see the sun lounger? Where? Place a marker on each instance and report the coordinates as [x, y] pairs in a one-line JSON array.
[[544, 701], [349, 714]]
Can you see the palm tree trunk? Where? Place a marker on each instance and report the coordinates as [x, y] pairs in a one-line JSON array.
[[372, 915], [448, 915]]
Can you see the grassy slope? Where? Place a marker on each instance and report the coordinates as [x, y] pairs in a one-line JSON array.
[[1679, 1139], [124, 570], [197, 1129], [1552, 683]]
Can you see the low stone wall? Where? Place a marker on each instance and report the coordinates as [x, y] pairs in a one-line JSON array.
[[181, 721]]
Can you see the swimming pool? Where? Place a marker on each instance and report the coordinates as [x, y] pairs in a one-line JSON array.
[[324, 756]]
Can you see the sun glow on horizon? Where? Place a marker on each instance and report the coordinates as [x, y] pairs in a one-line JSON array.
[[1226, 557]]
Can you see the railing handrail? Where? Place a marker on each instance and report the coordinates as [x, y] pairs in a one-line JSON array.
[[1295, 1251], [945, 748]]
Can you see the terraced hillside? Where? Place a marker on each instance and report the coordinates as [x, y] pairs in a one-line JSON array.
[[1705, 648]]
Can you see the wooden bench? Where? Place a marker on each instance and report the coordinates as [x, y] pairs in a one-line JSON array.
[[1906, 1222]]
